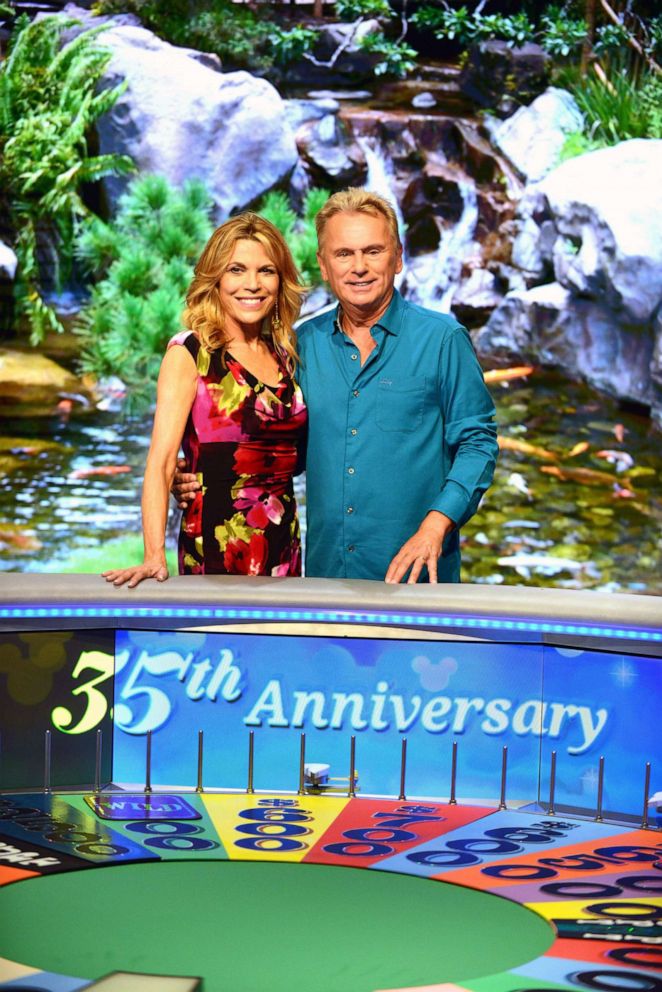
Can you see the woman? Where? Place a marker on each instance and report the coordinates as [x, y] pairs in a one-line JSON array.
[[226, 393]]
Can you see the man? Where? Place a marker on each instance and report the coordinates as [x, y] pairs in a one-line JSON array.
[[402, 440]]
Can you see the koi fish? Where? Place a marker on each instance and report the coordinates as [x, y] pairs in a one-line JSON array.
[[505, 375], [16, 537], [579, 449], [586, 476], [524, 448], [621, 460], [86, 473]]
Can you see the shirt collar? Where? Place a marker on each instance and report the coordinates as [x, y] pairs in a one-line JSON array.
[[390, 321]]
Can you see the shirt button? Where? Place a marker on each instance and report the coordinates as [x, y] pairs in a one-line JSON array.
[[350, 509], [354, 356], [355, 392], [350, 471], [353, 432], [350, 547]]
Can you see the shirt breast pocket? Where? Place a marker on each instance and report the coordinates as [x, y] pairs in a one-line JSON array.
[[400, 404]]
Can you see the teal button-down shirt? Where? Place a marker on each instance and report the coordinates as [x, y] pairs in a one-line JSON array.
[[412, 430]]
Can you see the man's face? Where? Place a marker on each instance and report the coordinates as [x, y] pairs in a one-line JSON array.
[[359, 258]]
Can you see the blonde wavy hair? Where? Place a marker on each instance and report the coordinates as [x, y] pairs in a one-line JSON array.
[[204, 313], [357, 200]]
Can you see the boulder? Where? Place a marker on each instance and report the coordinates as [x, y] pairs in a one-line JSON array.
[[337, 57], [549, 326], [597, 252], [436, 190], [476, 154], [424, 101], [495, 215], [403, 148], [656, 371], [607, 209], [514, 334], [533, 137], [500, 76], [300, 111], [476, 298], [422, 235], [299, 185], [32, 383], [180, 117], [331, 157], [431, 196]]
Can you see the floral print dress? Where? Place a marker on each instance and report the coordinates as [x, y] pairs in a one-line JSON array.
[[241, 440]]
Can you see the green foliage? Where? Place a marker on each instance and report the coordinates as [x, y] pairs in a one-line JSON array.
[[232, 31], [48, 104], [609, 38], [654, 46], [429, 18], [145, 260], [579, 143], [650, 95], [455, 25], [465, 27], [290, 46], [562, 35], [299, 232], [561, 30], [624, 109], [397, 58], [515, 29], [351, 10]]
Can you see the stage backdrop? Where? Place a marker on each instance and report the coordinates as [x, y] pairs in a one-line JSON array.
[[528, 203]]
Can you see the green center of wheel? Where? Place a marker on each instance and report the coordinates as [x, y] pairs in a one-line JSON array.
[[247, 926]]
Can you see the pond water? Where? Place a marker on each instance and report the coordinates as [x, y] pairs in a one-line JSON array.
[[577, 499]]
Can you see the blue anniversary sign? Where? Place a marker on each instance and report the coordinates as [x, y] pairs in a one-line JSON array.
[[532, 698]]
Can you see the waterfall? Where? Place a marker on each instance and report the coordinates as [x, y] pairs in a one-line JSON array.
[[429, 280], [432, 279], [380, 174], [380, 179]]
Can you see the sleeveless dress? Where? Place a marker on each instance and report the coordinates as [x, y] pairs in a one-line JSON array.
[[242, 440]]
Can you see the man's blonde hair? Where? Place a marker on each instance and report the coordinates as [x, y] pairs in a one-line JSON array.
[[357, 200]]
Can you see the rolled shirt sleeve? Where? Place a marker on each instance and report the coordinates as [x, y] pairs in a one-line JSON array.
[[470, 434]]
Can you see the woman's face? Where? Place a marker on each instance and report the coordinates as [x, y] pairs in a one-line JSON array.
[[248, 286]]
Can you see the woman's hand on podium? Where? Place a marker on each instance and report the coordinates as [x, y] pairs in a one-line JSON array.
[[154, 568]]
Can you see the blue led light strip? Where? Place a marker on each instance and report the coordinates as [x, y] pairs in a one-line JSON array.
[[333, 616]]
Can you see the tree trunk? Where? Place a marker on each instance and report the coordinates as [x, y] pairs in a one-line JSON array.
[[587, 47]]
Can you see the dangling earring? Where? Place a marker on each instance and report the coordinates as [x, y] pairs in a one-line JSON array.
[[275, 319]]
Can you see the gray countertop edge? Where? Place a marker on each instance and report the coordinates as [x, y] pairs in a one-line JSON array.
[[342, 595]]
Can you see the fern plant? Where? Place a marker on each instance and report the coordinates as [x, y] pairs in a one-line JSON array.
[[48, 104], [143, 262]]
